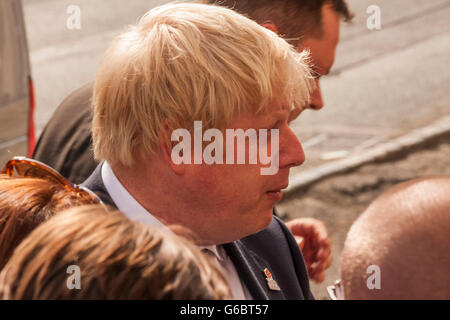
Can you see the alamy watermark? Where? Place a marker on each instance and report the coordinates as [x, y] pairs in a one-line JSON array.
[[374, 20], [213, 153], [74, 280], [374, 280], [73, 22]]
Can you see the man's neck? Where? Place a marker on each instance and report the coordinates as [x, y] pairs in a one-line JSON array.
[[158, 191], [148, 190]]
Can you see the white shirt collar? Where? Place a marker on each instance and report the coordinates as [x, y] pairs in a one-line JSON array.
[[125, 201]]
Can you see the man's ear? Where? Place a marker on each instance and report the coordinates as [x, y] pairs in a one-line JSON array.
[[166, 145], [270, 26]]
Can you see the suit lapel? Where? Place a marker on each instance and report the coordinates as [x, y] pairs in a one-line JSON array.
[[250, 268], [95, 183]]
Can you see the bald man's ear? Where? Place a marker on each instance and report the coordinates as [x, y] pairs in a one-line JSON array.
[[270, 26]]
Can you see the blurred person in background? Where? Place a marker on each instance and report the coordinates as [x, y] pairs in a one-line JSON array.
[[399, 247], [116, 258], [66, 142], [27, 201]]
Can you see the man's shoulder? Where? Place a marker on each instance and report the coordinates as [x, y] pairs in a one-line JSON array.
[[75, 107], [73, 111], [65, 143], [275, 248], [79, 100]]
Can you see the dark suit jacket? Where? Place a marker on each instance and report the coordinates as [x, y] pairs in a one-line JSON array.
[[273, 248], [65, 144]]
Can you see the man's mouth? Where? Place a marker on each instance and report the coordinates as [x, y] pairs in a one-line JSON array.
[[279, 187], [276, 193]]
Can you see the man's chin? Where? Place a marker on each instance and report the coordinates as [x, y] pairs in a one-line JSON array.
[[266, 219]]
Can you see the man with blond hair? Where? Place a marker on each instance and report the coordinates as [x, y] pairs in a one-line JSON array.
[[399, 247], [189, 65], [66, 142]]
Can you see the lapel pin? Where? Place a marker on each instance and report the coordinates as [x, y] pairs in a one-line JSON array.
[[271, 283]]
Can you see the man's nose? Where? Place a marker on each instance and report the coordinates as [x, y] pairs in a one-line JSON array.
[[316, 102], [291, 150]]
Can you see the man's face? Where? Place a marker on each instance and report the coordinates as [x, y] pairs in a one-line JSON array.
[[322, 50], [236, 200]]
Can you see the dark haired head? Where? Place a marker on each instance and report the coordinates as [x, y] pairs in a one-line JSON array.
[[292, 17]]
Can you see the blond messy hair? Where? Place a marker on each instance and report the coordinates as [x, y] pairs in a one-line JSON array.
[[184, 62], [117, 258]]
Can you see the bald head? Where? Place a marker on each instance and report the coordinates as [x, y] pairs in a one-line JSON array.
[[406, 233]]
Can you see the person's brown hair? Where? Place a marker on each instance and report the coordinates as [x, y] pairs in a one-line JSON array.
[[292, 17], [117, 259], [25, 203]]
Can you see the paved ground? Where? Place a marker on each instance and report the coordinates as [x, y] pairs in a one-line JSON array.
[[339, 200]]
